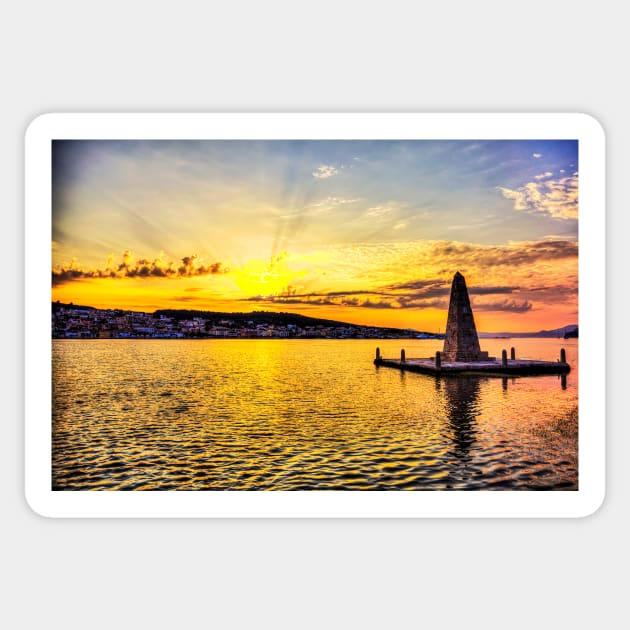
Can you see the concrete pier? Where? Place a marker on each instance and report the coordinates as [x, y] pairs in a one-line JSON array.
[[509, 367]]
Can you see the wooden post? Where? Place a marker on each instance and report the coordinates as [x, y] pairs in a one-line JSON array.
[[438, 360], [512, 354], [563, 355], [378, 354], [503, 358], [402, 355]]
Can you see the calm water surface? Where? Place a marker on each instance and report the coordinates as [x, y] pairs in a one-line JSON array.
[[301, 415]]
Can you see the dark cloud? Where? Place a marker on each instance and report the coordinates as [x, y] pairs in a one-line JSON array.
[[428, 289], [380, 304], [406, 295], [292, 292], [186, 298], [419, 285], [510, 306], [551, 295], [142, 268], [415, 302], [501, 256], [280, 299]]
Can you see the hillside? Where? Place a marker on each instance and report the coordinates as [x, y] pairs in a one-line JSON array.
[[556, 333], [243, 320]]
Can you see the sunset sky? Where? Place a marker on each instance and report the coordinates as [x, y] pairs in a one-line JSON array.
[[368, 232]]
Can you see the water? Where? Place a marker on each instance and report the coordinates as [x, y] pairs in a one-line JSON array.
[[302, 415]]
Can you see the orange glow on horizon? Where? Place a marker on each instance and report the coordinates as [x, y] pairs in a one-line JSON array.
[[148, 296]]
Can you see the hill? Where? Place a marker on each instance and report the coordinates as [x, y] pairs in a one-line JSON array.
[[271, 318], [245, 320], [570, 330]]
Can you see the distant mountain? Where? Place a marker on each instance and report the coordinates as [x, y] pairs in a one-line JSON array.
[[558, 333]]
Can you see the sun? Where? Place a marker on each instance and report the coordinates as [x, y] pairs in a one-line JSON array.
[[268, 277]]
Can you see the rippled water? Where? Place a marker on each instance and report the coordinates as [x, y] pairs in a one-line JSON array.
[[301, 415]]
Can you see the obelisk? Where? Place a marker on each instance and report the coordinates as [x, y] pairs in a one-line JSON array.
[[461, 342]]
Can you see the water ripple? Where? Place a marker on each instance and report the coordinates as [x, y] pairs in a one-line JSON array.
[[294, 415]]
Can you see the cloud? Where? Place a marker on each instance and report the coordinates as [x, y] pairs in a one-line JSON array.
[[557, 198], [186, 298], [380, 304], [282, 299], [325, 171], [358, 299], [408, 295], [331, 203], [448, 255], [536, 155], [189, 266], [514, 277], [392, 301], [510, 306], [436, 288]]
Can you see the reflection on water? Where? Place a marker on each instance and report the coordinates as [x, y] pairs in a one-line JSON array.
[[296, 414], [463, 407]]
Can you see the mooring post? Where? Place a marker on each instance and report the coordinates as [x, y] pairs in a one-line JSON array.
[[512, 354], [378, 354], [563, 355], [438, 360], [503, 358], [402, 355]]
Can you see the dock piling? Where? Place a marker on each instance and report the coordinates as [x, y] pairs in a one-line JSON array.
[[438, 360], [378, 354], [503, 358], [513, 353], [563, 355], [402, 355]]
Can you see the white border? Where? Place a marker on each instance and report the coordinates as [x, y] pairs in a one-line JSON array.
[[38, 344]]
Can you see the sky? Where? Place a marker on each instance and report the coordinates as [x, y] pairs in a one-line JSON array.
[[367, 232]]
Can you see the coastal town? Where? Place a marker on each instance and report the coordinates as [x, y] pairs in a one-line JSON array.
[[82, 322]]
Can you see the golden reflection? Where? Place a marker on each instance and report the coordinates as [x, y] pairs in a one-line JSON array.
[[295, 415], [462, 394]]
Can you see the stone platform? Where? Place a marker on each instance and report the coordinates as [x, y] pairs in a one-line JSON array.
[[462, 354], [511, 367]]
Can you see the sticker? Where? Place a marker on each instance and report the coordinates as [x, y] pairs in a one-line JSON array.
[[315, 315]]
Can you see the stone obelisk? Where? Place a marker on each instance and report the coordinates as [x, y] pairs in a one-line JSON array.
[[461, 342]]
